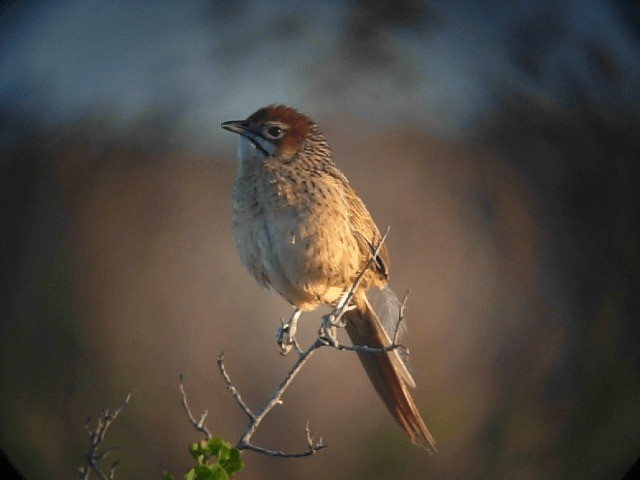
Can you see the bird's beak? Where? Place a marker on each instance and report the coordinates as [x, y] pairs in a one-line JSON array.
[[242, 128], [235, 126]]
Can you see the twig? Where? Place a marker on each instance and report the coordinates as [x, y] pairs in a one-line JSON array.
[[96, 436], [233, 389], [276, 398], [197, 424], [334, 318], [403, 305], [313, 447]]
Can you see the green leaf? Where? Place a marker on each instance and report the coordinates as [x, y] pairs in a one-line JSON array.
[[199, 451], [207, 472], [231, 466], [167, 476], [214, 445], [233, 463], [234, 455], [228, 460], [218, 473], [224, 452], [202, 472]]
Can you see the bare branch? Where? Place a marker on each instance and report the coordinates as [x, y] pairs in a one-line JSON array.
[[334, 318], [313, 447], [233, 389], [277, 453], [276, 399], [394, 345], [93, 456], [344, 302], [403, 305], [197, 424]]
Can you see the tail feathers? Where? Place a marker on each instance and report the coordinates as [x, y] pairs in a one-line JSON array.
[[388, 373], [387, 310]]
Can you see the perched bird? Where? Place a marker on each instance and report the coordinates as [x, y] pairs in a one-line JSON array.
[[301, 229]]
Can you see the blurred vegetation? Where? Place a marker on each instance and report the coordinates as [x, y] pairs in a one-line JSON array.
[[520, 242]]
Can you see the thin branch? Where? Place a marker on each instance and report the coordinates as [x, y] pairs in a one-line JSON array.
[[278, 453], [344, 302], [403, 305], [394, 345], [233, 389], [364, 348], [313, 447], [334, 318], [276, 399], [93, 456], [199, 425]]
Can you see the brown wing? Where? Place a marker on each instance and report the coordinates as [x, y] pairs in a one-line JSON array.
[[363, 226]]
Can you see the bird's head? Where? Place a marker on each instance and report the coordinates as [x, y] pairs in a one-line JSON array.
[[273, 131]]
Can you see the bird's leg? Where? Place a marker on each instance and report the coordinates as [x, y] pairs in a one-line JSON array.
[[286, 333], [335, 319]]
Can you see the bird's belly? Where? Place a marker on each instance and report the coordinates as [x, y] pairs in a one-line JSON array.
[[309, 259]]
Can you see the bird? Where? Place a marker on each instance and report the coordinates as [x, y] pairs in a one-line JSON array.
[[301, 230]]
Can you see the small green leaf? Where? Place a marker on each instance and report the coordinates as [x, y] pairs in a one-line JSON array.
[[228, 460], [218, 473], [232, 466], [167, 476], [224, 452], [193, 450], [214, 445], [234, 454], [197, 450], [202, 472], [233, 463], [207, 472]]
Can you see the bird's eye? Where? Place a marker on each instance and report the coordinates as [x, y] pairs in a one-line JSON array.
[[275, 132]]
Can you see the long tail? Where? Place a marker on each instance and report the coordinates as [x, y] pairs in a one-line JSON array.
[[389, 372]]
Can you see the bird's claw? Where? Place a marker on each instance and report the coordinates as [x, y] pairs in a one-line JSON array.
[[328, 330], [283, 337], [286, 333]]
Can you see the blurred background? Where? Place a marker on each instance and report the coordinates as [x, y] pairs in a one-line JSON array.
[[499, 140]]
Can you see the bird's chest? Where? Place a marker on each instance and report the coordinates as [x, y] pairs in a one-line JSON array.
[[293, 234], [268, 213]]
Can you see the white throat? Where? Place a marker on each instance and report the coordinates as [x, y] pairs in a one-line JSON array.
[[247, 150], [248, 154]]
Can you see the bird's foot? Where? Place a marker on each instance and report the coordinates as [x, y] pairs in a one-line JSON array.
[[328, 334], [329, 329], [332, 321], [286, 333]]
